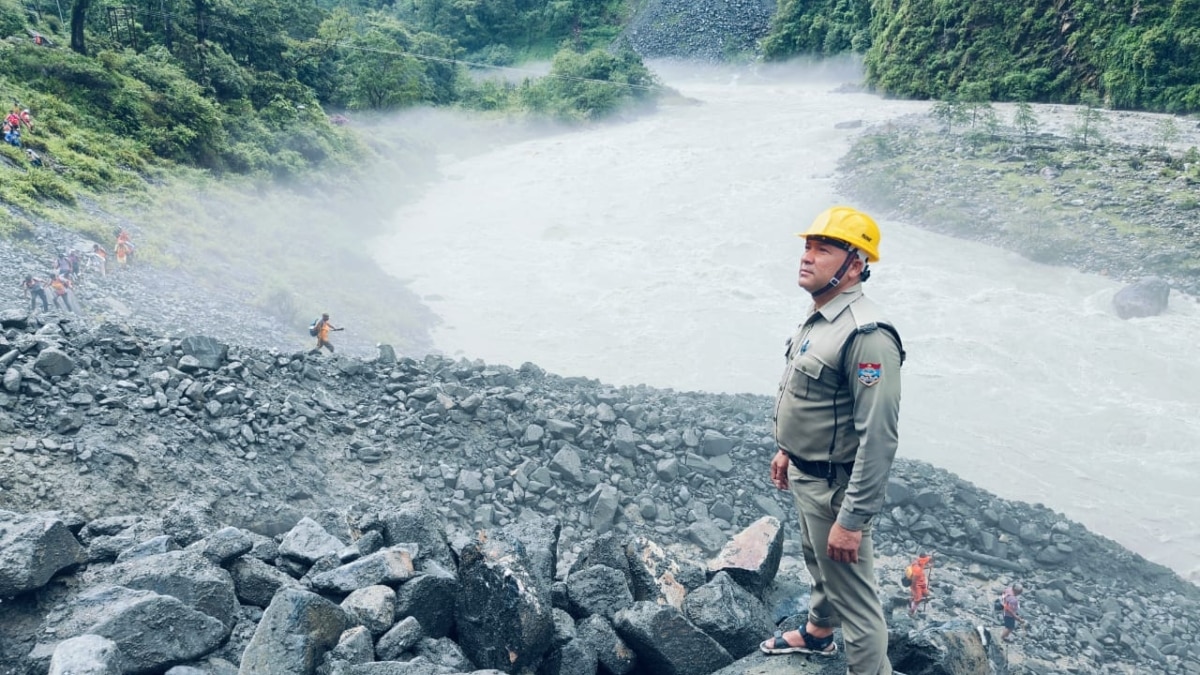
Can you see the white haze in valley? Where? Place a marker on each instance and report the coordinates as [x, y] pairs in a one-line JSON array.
[[662, 251]]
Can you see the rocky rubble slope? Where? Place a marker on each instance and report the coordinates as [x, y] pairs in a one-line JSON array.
[[705, 30], [116, 428]]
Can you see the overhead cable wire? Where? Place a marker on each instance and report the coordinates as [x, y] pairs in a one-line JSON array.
[[421, 57]]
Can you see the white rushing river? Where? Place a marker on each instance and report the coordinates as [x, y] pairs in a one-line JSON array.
[[661, 251]]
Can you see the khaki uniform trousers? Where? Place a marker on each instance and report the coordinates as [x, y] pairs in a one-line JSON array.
[[840, 590]]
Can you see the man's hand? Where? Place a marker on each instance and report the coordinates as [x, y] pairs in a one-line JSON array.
[[779, 469], [843, 544]]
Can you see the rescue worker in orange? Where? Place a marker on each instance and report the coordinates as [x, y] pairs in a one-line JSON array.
[[918, 582], [323, 328], [124, 248], [62, 286]]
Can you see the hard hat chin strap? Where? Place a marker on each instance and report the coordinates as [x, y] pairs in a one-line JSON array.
[[836, 280]]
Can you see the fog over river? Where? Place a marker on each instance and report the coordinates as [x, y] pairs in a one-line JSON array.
[[662, 251]]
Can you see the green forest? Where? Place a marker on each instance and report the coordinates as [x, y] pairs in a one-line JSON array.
[[1129, 54]]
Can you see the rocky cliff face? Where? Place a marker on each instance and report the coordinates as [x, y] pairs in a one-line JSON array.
[[192, 454]]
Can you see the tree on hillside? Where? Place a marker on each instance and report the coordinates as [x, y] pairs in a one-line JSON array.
[[1025, 120], [78, 14]]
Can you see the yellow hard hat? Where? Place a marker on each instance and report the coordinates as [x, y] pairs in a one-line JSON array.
[[847, 225]]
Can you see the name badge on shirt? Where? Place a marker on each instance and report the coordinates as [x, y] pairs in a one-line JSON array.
[[869, 373]]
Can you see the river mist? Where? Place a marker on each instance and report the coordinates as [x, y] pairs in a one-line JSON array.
[[662, 251]]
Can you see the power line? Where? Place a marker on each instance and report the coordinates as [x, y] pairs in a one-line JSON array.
[[422, 57]]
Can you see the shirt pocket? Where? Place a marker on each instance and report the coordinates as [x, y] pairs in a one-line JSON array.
[[805, 381]]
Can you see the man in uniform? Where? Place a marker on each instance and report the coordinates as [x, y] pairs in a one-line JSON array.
[[836, 427]]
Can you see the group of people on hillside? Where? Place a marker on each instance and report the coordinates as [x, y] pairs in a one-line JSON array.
[[836, 432], [67, 268], [18, 118]]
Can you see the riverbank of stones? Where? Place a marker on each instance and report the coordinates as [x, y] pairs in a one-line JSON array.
[[1122, 204], [180, 449]]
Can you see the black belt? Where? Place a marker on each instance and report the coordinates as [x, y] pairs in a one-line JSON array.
[[826, 470]]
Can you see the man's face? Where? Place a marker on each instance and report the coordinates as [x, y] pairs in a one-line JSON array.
[[821, 260]]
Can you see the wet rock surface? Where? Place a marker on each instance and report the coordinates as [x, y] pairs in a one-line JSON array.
[[276, 502]]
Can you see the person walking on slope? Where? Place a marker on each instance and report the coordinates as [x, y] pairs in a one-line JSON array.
[[1011, 604], [62, 292], [917, 580], [35, 291], [101, 258], [323, 327], [836, 420], [124, 248]]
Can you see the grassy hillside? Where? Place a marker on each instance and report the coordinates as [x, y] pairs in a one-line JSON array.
[[266, 143]]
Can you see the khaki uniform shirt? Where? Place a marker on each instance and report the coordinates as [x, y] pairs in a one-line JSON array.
[[823, 415]]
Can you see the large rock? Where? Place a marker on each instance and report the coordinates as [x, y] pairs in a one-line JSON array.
[[389, 566], [373, 607], [615, 657], [1146, 297], [86, 655], [54, 362], [295, 631], [430, 599], [598, 589], [256, 582], [151, 631], [954, 647], [752, 556], [496, 581], [730, 614], [32, 550], [309, 542], [207, 351], [667, 643], [185, 575], [418, 522]]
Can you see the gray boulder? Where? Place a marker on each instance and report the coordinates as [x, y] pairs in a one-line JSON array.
[[153, 546], [418, 522], [389, 566], [256, 582], [152, 631], [54, 362], [33, 549], [294, 633], [598, 590], [667, 643], [575, 657], [224, 545], [752, 556], [373, 607], [1145, 297], [728, 613], [86, 655], [953, 647], [185, 575], [354, 646], [614, 656], [208, 352], [429, 598], [402, 637], [496, 581], [309, 542]]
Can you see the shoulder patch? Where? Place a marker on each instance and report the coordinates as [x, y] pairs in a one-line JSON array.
[[870, 373]]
